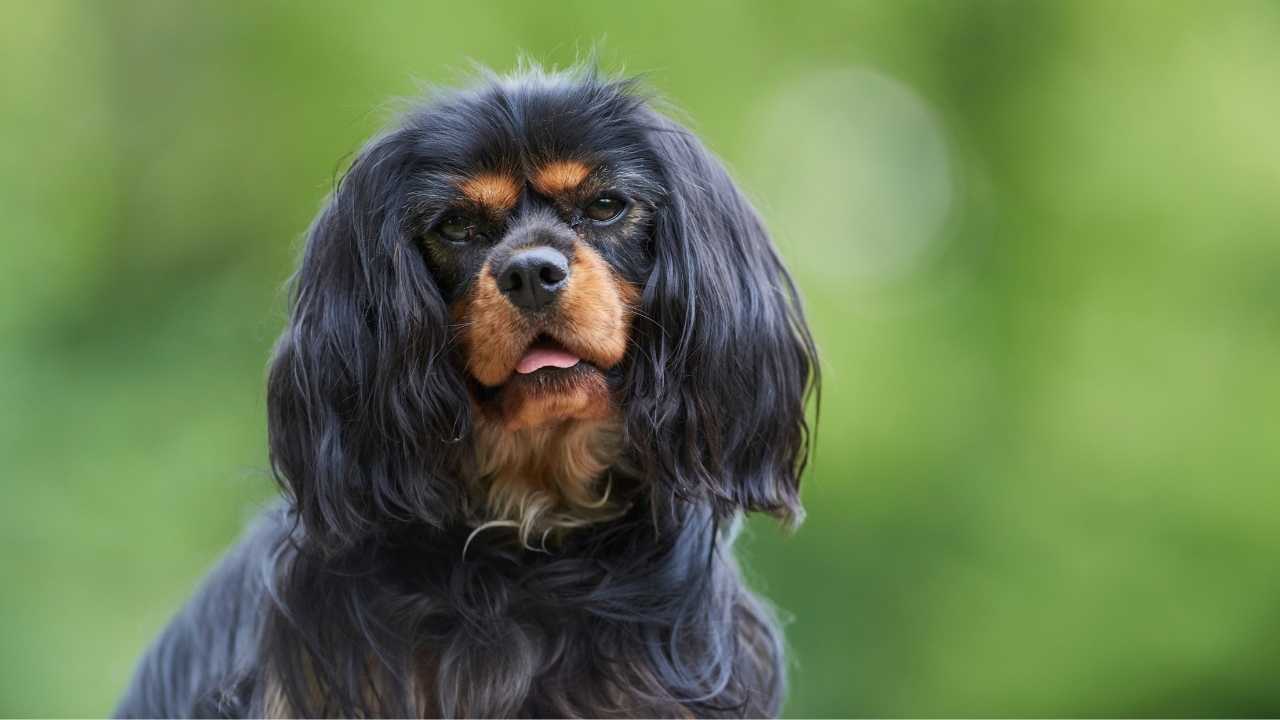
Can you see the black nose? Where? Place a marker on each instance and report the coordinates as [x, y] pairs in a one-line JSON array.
[[532, 278]]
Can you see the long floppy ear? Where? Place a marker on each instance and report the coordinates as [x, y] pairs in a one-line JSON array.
[[725, 369], [362, 400]]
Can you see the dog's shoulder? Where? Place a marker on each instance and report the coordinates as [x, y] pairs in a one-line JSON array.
[[203, 662]]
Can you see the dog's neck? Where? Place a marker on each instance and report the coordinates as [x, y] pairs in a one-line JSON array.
[[544, 479]]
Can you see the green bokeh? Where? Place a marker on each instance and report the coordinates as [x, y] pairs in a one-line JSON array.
[[1040, 244]]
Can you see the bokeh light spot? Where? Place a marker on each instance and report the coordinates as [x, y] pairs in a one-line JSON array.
[[857, 173]]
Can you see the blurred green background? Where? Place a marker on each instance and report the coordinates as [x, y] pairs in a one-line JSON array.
[[1040, 244]]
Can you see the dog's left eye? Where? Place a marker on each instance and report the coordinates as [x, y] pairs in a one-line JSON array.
[[605, 208], [456, 228]]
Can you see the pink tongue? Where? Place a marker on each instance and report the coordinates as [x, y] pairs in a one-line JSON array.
[[539, 358]]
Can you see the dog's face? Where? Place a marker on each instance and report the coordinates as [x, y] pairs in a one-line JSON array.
[[541, 263], [547, 275]]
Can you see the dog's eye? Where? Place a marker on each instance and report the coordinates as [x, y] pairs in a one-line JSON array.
[[456, 228], [605, 208]]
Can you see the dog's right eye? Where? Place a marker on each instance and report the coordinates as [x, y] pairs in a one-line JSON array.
[[456, 228], [605, 209]]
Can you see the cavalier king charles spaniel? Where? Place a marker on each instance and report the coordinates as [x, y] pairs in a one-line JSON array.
[[541, 357]]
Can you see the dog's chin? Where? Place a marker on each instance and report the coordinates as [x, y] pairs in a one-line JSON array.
[[549, 385]]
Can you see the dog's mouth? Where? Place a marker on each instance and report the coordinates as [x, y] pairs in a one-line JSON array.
[[549, 366], [550, 383], [546, 353]]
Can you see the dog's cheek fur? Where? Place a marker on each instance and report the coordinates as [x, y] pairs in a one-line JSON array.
[[596, 308], [493, 334]]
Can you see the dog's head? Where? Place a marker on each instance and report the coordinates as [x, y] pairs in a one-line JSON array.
[[541, 279]]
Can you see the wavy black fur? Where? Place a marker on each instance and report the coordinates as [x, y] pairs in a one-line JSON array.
[[354, 597]]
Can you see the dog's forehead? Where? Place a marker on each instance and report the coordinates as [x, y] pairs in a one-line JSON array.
[[488, 147]]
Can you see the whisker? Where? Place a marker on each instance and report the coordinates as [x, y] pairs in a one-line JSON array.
[[643, 316]]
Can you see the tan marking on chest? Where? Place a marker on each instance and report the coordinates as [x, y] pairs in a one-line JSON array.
[[546, 478]]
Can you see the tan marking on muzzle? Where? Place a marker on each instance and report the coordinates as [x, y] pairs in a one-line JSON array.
[[595, 312], [493, 332], [592, 318]]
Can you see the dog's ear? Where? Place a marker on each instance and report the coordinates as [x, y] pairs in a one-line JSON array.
[[362, 401], [724, 370]]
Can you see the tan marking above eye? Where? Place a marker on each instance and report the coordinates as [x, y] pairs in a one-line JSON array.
[[492, 190], [561, 176]]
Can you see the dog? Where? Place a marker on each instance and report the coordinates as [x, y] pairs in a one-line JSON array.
[[541, 358]]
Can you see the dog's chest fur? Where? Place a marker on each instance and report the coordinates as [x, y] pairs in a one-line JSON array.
[[544, 480], [511, 632]]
